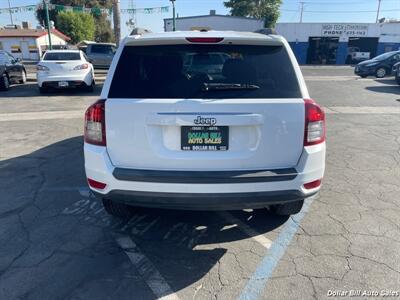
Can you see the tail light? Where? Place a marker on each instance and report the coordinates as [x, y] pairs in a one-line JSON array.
[[96, 184], [95, 124], [81, 67], [312, 185], [314, 130]]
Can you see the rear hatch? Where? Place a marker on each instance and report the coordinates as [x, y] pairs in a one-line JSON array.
[[246, 113], [61, 63]]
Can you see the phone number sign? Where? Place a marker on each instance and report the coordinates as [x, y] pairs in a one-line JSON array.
[[345, 30]]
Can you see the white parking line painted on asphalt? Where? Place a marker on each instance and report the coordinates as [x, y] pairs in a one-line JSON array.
[[42, 115], [333, 78], [258, 237], [384, 110], [258, 281], [146, 269]]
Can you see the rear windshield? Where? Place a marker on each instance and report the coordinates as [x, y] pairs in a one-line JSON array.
[[103, 49], [62, 56], [204, 71]]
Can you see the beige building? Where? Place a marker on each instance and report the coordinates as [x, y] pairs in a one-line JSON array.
[[29, 44]]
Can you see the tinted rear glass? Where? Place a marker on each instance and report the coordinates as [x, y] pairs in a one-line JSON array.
[[204, 71], [104, 49], [62, 56]]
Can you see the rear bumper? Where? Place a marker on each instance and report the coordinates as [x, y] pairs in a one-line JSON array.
[[205, 189], [77, 79], [205, 201]]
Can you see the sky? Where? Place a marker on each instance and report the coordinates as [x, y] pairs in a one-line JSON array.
[[363, 11]]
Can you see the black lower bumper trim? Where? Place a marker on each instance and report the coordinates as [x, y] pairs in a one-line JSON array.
[[245, 176], [71, 84], [204, 201]]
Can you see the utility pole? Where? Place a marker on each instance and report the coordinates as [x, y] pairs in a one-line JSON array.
[[46, 8], [377, 13], [301, 11], [9, 8], [117, 21], [173, 15]]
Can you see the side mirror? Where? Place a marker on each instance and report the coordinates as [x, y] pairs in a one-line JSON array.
[[17, 60]]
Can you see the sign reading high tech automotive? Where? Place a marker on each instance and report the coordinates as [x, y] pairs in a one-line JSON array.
[[344, 30]]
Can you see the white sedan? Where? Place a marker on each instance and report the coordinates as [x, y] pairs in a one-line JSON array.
[[65, 69]]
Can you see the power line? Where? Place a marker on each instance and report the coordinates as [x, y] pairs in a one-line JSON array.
[[342, 11], [342, 2]]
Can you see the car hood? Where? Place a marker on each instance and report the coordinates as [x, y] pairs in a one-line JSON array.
[[367, 62]]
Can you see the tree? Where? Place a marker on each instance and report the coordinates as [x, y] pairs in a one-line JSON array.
[[268, 10], [103, 32], [78, 26]]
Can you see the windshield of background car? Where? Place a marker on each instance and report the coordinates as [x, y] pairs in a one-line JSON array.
[[62, 56], [204, 71], [103, 49], [384, 56]]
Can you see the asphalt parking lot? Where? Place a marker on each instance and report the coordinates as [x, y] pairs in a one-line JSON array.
[[56, 241]]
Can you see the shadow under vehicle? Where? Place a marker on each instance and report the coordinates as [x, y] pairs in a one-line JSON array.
[[72, 240]]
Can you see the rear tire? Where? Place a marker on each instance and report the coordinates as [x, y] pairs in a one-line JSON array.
[[398, 80], [23, 77], [117, 209], [43, 90], [90, 88], [287, 209], [4, 83], [363, 76]]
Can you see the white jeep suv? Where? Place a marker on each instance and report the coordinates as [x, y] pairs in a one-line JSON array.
[[229, 131]]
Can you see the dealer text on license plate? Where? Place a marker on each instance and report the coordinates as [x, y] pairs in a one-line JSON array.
[[204, 138]]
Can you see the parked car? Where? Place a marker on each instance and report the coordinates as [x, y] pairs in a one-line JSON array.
[[354, 55], [247, 136], [380, 66], [11, 70], [396, 72], [198, 63], [101, 54], [65, 69]]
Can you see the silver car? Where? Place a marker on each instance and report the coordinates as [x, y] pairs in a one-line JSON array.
[[101, 54]]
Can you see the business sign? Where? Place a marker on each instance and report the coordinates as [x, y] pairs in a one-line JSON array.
[[344, 30]]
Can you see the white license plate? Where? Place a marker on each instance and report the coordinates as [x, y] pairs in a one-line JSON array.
[[63, 83]]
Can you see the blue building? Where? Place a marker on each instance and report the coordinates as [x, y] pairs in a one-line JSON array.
[[333, 43]]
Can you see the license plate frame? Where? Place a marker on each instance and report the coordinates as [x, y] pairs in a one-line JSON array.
[[63, 84], [204, 138]]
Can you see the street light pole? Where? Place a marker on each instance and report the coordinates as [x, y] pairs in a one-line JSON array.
[[301, 11], [9, 8], [379, 9], [46, 8], [173, 16]]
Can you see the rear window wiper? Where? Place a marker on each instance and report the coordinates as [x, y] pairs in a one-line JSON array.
[[228, 86]]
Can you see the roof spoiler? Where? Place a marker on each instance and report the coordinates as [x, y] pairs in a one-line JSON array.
[[266, 31]]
